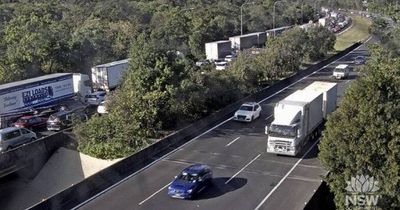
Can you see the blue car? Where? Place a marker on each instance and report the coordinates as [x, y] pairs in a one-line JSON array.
[[190, 181]]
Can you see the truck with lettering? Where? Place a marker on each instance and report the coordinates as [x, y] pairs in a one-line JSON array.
[[23, 96], [299, 118]]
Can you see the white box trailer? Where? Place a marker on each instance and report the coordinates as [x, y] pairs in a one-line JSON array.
[[296, 118], [218, 49], [329, 94], [277, 31], [109, 76], [244, 41]]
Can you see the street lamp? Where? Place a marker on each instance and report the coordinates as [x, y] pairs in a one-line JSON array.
[[241, 16]]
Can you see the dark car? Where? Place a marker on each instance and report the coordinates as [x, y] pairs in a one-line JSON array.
[[359, 60], [30, 122], [190, 181], [65, 119]]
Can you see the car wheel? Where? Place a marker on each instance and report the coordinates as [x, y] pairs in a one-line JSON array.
[[252, 118], [33, 139]]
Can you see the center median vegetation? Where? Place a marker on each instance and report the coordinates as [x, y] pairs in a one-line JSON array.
[[163, 91], [359, 31]]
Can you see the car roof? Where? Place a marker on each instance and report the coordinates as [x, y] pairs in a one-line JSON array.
[[250, 103], [196, 168], [342, 66], [8, 129]]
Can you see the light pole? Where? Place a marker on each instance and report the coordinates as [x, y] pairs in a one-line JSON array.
[[241, 16], [273, 16]]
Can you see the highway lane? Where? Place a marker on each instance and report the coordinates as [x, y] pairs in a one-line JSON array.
[[246, 177]]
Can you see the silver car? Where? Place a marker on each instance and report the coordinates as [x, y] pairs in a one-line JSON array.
[[13, 137]]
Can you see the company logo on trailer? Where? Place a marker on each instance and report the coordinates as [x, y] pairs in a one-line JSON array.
[[362, 191], [37, 95]]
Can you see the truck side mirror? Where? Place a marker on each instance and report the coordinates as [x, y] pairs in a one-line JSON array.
[[266, 129]]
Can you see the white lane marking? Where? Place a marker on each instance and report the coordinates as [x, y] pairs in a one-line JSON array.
[[152, 195], [144, 168], [269, 117], [254, 159], [233, 141], [287, 174]]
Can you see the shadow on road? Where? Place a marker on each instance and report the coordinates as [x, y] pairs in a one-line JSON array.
[[219, 188]]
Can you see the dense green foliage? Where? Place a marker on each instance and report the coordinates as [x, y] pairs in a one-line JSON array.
[[38, 37], [164, 90], [362, 136]]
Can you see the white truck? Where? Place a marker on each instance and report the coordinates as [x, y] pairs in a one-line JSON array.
[[299, 117], [341, 71], [218, 49], [108, 76], [247, 41]]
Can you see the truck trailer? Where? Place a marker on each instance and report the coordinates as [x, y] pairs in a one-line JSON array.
[[22, 96], [300, 117], [108, 76], [218, 49], [247, 41]]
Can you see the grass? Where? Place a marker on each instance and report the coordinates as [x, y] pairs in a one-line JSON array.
[[358, 31]]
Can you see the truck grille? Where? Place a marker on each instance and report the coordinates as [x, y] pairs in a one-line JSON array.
[[281, 143]]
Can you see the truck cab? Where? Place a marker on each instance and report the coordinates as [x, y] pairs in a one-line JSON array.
[[341, 71]]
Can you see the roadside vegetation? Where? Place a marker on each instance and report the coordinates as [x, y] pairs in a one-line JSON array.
[[359, 31], [362, 136]]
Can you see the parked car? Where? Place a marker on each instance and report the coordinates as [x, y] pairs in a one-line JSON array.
[[248, 112], [221, 65], [101, 109], [95, 98], [31, 122], [65, 119], [190, 182], [13, 137], [359, 60]]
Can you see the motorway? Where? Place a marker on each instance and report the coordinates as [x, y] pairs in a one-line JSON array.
[[245, 176]]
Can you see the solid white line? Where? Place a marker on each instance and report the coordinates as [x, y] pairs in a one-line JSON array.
[[243, 168], [144, 168], [269, 117], [154, 194], [233, 141], [283, 179]]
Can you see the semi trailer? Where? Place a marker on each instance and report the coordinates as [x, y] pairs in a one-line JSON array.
[[108, 76], [299, 118], [218, 49]]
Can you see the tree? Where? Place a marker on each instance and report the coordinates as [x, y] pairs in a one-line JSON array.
[[321, 42], [362, 136]]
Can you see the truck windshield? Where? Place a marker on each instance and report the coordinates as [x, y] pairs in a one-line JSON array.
[[282, 131]]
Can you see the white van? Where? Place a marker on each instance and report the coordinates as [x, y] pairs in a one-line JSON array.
[[341, 71]]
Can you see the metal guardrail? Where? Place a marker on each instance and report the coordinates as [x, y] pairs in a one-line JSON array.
[[84, 190]]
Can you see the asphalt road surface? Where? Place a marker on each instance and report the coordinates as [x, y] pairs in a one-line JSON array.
[[245, 176]]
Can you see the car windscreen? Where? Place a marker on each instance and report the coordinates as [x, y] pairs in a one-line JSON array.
[[91, 96], [246, 108], [339, 70], [187, 177]]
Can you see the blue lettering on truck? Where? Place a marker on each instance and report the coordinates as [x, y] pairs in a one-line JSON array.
[[37, 95]]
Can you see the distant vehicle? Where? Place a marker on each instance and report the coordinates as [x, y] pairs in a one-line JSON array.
[[230, 58], [65, 119], [101, 109], [13, 137], [341, 71], [299, 118], [31, 122], [218, 49], [221, 65], [360, 60], [96, 98], [109, 76], [248, 112], [191, 181], [202, 63]]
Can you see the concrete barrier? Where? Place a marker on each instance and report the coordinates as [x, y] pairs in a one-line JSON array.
[[27, 160], [105, 178]]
